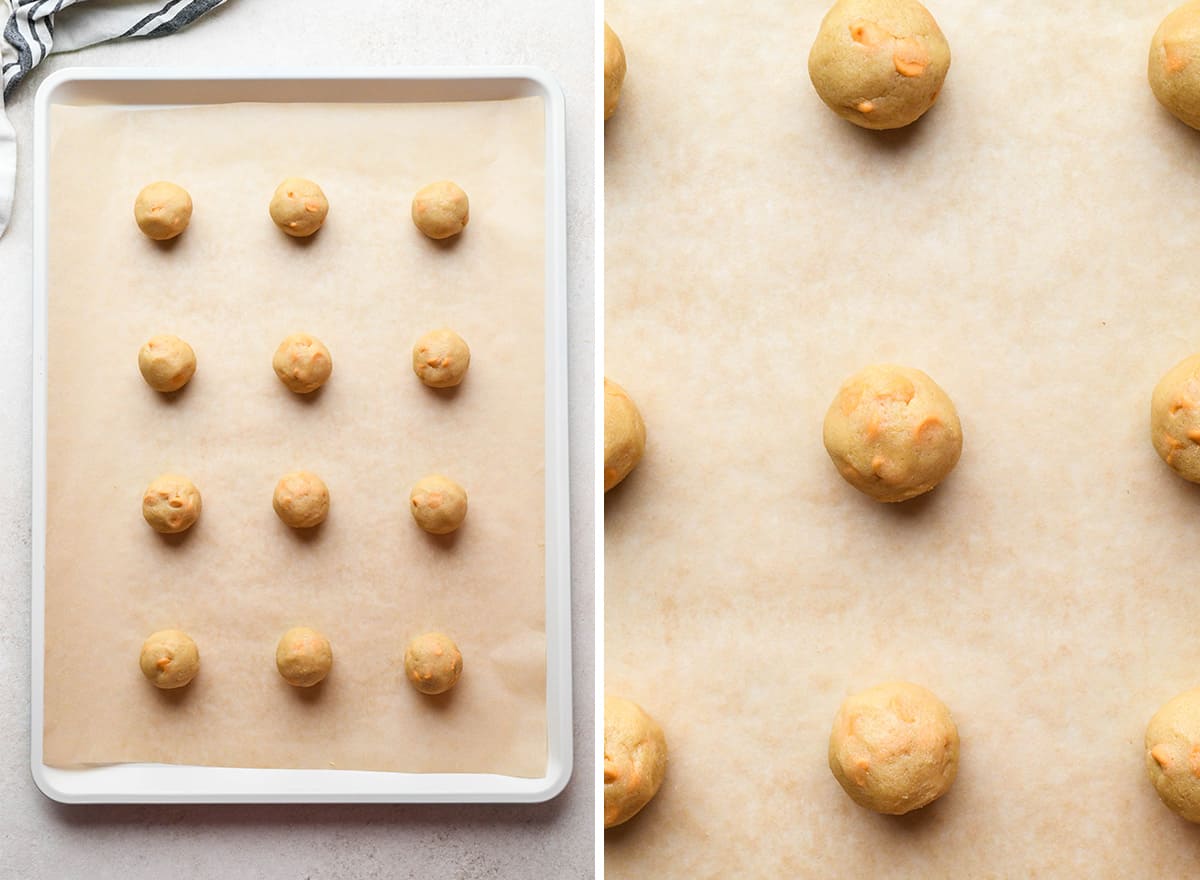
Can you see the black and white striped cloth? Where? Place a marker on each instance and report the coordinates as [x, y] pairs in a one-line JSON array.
[[35, 28]]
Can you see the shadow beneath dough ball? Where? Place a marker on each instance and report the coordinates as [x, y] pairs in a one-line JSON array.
[[304, 537], [448, 541], [180, 696]]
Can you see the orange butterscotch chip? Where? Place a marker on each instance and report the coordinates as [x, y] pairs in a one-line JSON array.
[[909, 57]]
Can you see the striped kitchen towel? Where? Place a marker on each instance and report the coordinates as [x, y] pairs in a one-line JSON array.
[[35, 28]]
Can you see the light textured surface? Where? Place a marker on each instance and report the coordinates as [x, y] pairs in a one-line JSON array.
[[1031, 244], [41, 839]]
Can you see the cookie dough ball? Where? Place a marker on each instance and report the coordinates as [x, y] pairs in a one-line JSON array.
[[614, 70], [169, 659], [303, 657], [879, 63], [166, 362], [635, 759], [1173, 754], [302, 363], [1174, 67], [440, 358], [1175, 418], [162, 210], [301, 499], [892, 432], [894, 748], [441, 209], [439, 505], [171, 504], [298, 207], [624, 434], [433, 663]]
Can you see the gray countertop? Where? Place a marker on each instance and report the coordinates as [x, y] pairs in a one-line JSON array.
[[39, 838]]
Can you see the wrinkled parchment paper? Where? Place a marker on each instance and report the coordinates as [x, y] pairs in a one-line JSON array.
[[1031, 243], [368, 284]]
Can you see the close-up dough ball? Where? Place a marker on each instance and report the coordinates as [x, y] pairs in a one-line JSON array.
[[299, 207], [879, 63], [169, 659], [440, 358], [302, 363], [433, 663], [438, 504], [301, 499], [441, 209], [166, 362], [1173, 754], [162, 210], [614, 70], [171, 504], [303, 657], [892, 432], [1174, 66], [1175, 418], [624, 434], [635, 759], [894, 748]]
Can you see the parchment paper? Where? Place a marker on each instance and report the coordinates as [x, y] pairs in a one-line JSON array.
[[1031, 243], [368, 284]]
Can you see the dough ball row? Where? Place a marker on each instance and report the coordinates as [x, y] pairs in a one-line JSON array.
[[881, 64], [440, 359], [303, 657], [171, 503], [893, 749], [894, 434], [299, 207]]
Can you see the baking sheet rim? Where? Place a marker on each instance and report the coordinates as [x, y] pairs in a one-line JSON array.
[[159, 783]]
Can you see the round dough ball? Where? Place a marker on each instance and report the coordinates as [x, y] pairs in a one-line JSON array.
[[635, 759], [439, 505], [169, 659], [1175, 418], [162, 210], [301, 499], [624, 434], [303, 657], [1173, 754], [1174, 66], [166, 362], [299, 207], [894, 748], [171, 504], [302, 363], [440, 358], [892, 432], [441, 209], [614, 70], [879, 63], [433, 663]]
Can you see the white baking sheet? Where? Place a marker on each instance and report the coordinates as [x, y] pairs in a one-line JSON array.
[[1030, 243], [174, 89]]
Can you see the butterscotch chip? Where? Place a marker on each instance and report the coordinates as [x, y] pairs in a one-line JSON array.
[[879, 63], [635, 759], [894, 748]]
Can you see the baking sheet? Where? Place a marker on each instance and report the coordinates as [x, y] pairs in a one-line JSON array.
[[1030, 244], [368, 284]]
